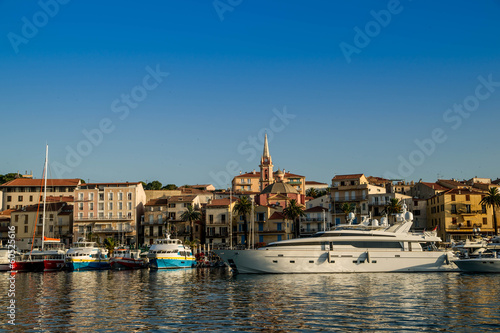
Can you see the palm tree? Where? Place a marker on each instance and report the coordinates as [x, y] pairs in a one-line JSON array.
[[347, 208], [492, 199], [293, 211], [243, 207], [109, 244], [312, 192], [393, 207], [191, 215]]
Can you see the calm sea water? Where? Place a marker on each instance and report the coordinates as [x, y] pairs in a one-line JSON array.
[[214, 300]]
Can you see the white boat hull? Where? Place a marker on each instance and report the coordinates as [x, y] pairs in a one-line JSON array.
[[479, 265], [290, 261]]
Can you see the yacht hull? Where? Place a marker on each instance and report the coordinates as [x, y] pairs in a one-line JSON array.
[[81, 265], [120, 263], [165, 263], [479, 265], [283, 261], [54, 265]]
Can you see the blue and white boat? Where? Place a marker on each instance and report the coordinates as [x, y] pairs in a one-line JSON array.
[[87, 256], [170, 253]]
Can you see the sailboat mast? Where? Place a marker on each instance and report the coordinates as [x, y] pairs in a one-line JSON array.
[[44, 193]]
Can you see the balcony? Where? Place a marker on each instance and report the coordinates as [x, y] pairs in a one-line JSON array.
[[350, 198], [104, 218], [218, 235], [126, 229]]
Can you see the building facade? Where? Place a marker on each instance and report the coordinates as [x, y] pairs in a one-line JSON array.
[[109, 210], [22, 192]]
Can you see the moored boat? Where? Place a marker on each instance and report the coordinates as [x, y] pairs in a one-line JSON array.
[[486, 261], [124, 258], [348, 249], [170, 253], [4, 258], [86, 256]]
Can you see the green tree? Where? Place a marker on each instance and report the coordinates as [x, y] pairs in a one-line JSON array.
[[394, 206], [154, 185], [347, 208], [109, 244], [492, 199], [312, 192], [7, 177], [170, 187], [294, 211], [243, 207], [191, 215]]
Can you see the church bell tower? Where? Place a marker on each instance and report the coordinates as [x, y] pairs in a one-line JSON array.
[[266, 167]]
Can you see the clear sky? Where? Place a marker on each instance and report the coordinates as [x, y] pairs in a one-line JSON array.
[[183, 91]]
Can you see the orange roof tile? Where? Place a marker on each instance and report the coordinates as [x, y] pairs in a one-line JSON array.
[[19, 182]]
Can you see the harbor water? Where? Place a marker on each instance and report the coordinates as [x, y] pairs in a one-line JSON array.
[[195, 300]]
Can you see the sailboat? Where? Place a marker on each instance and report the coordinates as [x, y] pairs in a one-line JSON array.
[[51, 256]]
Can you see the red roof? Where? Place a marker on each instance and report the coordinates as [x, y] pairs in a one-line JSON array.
[[220, 202], [157, 202], [249, 174], [277, 216], [464, 191], [39, 182], [121, 183], [435, 186], [312, 182], [316, 209], [62, 198], [353, 176]]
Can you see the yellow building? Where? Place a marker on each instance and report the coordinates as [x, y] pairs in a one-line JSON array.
[[458, 214]]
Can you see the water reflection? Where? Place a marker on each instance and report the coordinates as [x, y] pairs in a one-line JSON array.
[[213, 299]]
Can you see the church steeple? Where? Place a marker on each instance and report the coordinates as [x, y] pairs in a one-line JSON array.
[[266, 166]]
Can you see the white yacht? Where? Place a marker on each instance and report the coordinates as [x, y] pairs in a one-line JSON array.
[[348, 249]]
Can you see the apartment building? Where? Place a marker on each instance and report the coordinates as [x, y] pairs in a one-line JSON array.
[[109, 210], [458, 214], [352, 189], [28, 223], [218, 222], [22, 192]]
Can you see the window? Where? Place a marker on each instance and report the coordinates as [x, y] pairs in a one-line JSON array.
[[110, 195], [467, 197], [25, 219], [211, 219], [20, 198], [453, 220], [80, 206], [129, 196], [453, 209], [453, 197], [101, 205], [129, 206], [171, 205], [91, 196], [467, 208], [120, 196], [483, 209], [31, 198], [101, 196], [91, 206], [26, 229], [485, 221], [416, 212], [80, 196], [223, 218], [110, 205], [120, 205], [16, 218], [9, 198], [159, 218], [278, 226], [151, 218]]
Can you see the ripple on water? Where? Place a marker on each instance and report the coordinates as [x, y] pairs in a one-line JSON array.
[[214, 300]]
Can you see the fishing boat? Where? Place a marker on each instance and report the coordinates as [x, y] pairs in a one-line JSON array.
[[348, 249], [124, 258], [53, 255], [170, 253], [86, 256], [28, 262]]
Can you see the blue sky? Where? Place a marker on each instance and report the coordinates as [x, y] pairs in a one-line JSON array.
[[340, 87]]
